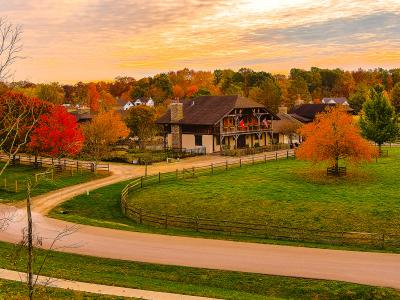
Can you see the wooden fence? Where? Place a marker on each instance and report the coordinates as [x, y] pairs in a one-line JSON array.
[[58, 164], [259, 230]]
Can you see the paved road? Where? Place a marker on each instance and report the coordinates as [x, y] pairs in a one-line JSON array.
[[381, 269]]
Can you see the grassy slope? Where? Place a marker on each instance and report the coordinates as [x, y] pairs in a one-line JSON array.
[[22, 173], [281, 192], [193, 281], [17, 290]]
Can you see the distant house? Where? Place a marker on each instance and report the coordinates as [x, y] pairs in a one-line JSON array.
[[306, 113], [144, 101], [217, 122], [128, 105], [341, 101]]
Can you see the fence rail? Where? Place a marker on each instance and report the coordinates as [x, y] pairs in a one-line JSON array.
[[259, 230], [58, 164]]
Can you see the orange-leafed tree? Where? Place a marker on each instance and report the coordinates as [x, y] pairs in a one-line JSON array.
[[178, 91], [93, 97], [334, 136], [102, 133]]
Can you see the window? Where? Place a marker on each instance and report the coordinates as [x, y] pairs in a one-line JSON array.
[[198, 140]]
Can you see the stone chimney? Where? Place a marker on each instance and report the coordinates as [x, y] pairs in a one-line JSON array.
[[282, 109], [176, 130]]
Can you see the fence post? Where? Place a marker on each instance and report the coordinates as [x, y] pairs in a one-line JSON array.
[[276, 155], [141, 181], [226, 165], [265, 158], [287, 154], [193, 172], [159, 177], [212, 168], [140, 216], [240, 162], [197, 223], [77, 166], [16, 186], [52, 174], [177, 173], [166, 221]]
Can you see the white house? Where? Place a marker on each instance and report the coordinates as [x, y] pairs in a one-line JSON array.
[[341, 100], [128, 105], [144, 101]]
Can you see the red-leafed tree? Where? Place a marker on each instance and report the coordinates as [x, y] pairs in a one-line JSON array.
[[57, 134], [19, 116], [93, 97]]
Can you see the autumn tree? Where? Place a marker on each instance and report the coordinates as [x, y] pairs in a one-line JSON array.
[[298, 87], [52, 93], [93, 98], [57, 134], [395, 97], [178, 91], [141, 122], [19, 116], [378, 121], [102, 133], [333, 136]]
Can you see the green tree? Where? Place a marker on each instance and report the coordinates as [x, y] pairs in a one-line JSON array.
[[268, 93], [379, 120], [297, 87], [395, 96], [359, 97], [53, 93], [141, 121]]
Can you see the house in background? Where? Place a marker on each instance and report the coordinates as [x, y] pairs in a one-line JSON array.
[[144, 101], [306, 113], [217, 122], [341, 101]]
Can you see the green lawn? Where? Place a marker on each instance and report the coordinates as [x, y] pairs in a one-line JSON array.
[[17, 290], [22, 173], [192, 281], [286, 192]]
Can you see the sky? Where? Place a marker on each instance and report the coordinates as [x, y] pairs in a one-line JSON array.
[[84, 40]]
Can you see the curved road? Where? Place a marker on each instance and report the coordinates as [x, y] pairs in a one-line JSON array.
[[380, 269]]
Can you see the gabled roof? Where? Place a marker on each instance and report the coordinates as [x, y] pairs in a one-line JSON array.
[[285, 119], [208, 110], [307, 112]]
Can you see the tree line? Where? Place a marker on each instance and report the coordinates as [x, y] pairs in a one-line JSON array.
[[272, 90]]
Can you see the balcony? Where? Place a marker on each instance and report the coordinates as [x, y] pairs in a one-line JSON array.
[[245, 129]]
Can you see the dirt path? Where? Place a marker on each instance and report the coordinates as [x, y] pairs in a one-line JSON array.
[[97, 288], [380, 269]]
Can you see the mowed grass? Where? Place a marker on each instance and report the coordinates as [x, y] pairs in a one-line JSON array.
[[22, 173], [287, 193], [190, 281], [17, 290]]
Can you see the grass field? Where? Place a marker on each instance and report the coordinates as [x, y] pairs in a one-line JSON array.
[[22, 173], [192, 281], [287, 193], [16, 290]]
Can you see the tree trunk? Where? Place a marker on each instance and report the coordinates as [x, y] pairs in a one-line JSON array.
[[30, 241]]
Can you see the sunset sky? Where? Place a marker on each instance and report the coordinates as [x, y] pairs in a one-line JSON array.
[[71, 40]]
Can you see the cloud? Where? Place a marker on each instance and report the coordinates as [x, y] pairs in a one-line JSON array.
[[70, 40]]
